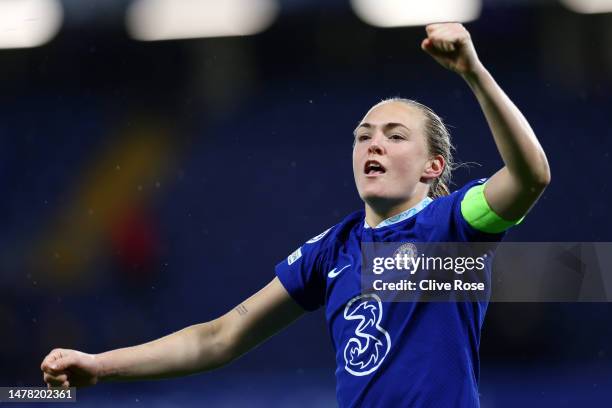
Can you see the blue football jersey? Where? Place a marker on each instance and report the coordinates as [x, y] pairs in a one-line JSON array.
[[392, 354]]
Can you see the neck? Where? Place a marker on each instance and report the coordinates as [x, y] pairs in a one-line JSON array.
[[376, 213]]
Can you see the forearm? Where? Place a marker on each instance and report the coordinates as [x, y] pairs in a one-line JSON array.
[[187, 351], [517, 144]]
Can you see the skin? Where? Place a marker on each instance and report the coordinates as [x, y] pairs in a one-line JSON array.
[[392, 133], [402, 150], [515, 188]]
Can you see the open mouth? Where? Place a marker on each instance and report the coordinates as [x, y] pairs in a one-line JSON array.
[[373, 167]]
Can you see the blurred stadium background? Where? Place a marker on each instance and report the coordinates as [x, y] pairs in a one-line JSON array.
[[150, 185]]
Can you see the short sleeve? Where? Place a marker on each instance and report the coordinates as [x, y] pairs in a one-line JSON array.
[[477, 212], [466, 231], [300, 273]]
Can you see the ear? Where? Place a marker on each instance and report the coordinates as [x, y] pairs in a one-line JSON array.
[[433, 168]]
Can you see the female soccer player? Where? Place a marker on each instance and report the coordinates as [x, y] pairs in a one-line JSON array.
[[399, 354]]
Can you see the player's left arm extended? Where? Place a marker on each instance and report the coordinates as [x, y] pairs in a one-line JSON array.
[[512, 190]]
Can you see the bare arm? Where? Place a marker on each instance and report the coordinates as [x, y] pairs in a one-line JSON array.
[[513, 189], [197, 348]]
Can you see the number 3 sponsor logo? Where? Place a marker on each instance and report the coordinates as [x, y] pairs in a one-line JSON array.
[[366, 350]]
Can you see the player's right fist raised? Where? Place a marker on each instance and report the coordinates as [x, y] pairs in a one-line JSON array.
[[70, 368]]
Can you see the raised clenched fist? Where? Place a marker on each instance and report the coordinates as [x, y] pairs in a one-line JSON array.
[[451, 45], [69, 368]]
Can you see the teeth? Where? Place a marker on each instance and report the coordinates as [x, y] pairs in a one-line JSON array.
[[373, 167]]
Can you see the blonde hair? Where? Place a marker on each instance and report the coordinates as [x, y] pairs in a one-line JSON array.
[[439, 143]]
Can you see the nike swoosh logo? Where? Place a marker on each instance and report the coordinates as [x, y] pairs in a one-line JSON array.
[[333, 273]]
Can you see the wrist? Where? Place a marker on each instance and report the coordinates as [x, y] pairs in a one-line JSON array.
[[475, 75], [103, 373]]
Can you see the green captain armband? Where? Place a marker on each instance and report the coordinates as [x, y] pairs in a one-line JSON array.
[[480, 216]]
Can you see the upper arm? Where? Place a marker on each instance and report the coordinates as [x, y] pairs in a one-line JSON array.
[[257, 318], [509, 197]]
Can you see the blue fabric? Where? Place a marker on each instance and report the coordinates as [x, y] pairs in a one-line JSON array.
[[409, 354]]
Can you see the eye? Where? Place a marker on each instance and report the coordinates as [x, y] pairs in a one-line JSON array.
[[363, 137], [396, 137]]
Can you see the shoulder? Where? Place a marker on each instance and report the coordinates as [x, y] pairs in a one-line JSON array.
[[451, 202], [458, 195], [336, 233], [303, 272], [447, 214], [312, 249]]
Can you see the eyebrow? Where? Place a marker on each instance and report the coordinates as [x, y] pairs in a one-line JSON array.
[[388, 125]]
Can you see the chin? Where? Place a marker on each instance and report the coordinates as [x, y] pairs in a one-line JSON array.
[[369, 196]]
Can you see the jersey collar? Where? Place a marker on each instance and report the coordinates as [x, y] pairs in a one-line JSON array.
[[403, 215]]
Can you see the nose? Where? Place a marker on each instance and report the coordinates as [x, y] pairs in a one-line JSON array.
[[375, 145]]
